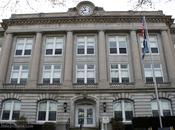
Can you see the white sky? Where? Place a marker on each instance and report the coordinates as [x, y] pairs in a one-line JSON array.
[[108, 5]]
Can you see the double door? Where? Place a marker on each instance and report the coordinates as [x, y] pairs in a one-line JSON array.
[[85, 115]]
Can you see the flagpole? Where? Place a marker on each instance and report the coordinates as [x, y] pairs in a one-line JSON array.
[[154, 78]]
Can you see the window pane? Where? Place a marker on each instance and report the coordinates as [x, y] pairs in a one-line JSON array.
[[124, 66], [114, 66], [18, 52], [80, 80], [90, 74], [125, 80], [115, 80], [154, 50], [166, 113], [23, 81], [27, 52], [80, 74], [42, 115], [5, 115], [49, 51], [19, 46], [149, 79], [122, 50], [52, 106], [56, 80], [113, 48], [17, 105], [90, 80], [90, 47], [159, 79], [58, 51], [14, 81], [90, 50], [117, 106], [15, 74], [129, 115], [52, 115], [46, 81], [43, 106], [15, 115], [118, 115], [155, 112]]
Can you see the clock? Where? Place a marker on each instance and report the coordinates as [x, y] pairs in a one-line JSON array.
[[85, 10]]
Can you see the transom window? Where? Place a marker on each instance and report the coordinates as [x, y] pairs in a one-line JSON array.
[[119, 73], [51, 74], [23, 46], [165, 107], [148, 69], [19, 74], [153, 44], [54, 46], [86, 45], [11, 110], [123, 110], [85, 74], [47, 110], [117, 45]]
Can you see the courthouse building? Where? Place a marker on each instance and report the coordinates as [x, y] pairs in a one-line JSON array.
[[86, 64]]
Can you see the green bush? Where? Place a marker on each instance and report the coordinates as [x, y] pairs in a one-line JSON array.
[[117, 124], [49, 126]]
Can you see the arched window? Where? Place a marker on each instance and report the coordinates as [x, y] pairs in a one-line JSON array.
[[165, 107], [123, 109], [11, 110], [47, 110]]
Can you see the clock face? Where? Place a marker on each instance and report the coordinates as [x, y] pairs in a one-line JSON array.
[[85, 10]]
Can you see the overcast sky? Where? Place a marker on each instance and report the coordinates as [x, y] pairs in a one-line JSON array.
[[108, 5]]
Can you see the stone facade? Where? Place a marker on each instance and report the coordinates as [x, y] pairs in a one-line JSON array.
[[102, 94]]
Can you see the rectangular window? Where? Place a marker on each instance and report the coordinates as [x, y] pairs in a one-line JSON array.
[[117, 44], [119, 73], [19, 74], [54, 46], [148, 69], [86, 45], [23, 46], [85, 73], [153, 44], [52, 74]]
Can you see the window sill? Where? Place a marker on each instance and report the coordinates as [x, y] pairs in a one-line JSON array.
[[157, 83], [85, 83], [9, 85], [129, 83]]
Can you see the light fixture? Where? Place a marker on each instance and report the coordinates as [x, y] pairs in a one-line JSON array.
[[65, 106], [104, 106]]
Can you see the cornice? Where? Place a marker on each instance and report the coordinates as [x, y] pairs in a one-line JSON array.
[[86, 19]]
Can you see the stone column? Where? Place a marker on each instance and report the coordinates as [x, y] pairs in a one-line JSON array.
[[36, 54], [68, 60], [102, 60], [136, 60], [168, 53], [5, 57]]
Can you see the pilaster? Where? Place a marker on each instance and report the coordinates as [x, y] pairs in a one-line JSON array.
[[137, 66], [168, 52], [102, 60], [35, 61], [6, 52], [68, 60]]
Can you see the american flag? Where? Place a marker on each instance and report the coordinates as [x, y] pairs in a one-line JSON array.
[[144, 35]]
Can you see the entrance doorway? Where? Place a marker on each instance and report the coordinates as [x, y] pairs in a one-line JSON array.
[[86, 115]]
